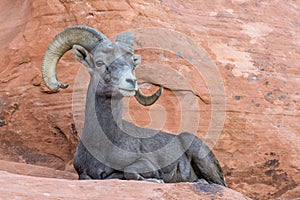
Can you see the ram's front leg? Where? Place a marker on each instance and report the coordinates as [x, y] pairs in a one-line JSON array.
[[143, 170], [116, 175], [138, 177]]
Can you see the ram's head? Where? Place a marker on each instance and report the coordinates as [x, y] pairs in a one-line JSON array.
[[113, 63]]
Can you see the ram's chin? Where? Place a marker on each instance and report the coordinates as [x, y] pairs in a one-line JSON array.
[[127, 93]]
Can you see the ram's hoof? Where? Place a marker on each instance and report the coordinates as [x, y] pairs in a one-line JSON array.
[[154, 180], [202, 181]]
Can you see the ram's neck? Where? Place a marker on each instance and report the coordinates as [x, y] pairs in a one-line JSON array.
[[101, 113], [108, 111], [102, 132]]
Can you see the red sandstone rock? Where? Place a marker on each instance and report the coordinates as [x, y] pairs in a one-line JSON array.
[[254, 44], [26, 187], [34, 170], [15, 186]]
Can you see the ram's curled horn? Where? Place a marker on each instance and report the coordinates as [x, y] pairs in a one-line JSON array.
[[126, 39], [147, 100], [63, 42]]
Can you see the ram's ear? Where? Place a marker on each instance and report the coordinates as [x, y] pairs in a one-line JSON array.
[[83, 56]]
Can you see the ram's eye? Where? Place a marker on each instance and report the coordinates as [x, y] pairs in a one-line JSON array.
[[99, 63]]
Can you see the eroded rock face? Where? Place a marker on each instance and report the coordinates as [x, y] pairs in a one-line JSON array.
[[253, 44]]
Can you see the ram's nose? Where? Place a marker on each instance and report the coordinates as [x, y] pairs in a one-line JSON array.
[[129, 82], [132, 82]]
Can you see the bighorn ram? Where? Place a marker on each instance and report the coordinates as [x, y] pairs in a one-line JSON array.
[[109, 146]]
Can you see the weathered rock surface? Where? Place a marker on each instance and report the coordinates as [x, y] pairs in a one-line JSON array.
[[52, 185], [254, 44], [34, 170], [26, 187]]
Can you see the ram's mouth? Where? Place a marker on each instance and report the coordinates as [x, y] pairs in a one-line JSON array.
[[127, 92]]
